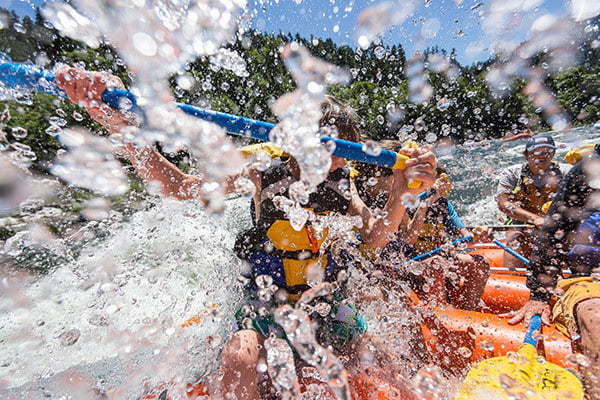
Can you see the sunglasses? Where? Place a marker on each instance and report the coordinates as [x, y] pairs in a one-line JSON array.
[[542, 153]]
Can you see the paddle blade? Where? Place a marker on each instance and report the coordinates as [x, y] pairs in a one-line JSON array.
[[519, 375]]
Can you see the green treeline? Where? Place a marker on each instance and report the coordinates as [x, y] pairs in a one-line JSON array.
[[461, 106]]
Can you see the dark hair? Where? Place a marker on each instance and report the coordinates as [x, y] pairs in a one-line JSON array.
[[370, 170], [440, 169], [342, 116]]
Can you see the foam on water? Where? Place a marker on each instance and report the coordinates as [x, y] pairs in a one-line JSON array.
[[109, 320], [126, 298]]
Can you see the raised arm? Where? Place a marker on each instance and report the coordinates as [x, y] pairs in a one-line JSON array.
[[376, 232], [85, 88], [514, 211]]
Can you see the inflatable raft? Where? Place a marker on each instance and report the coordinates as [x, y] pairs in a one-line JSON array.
[[458, 338], [463, 337]]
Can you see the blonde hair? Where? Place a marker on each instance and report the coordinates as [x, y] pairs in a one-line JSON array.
[[342, 116]]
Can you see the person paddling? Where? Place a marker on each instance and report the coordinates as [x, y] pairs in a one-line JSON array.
[[426, 227], [570, 239], [266, 249], [525, 191]]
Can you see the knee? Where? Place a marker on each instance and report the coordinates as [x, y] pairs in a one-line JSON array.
[[243, 349], [475, 266], [588, 318]]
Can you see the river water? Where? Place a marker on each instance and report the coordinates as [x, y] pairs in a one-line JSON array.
[[114, 313], [108, 320]]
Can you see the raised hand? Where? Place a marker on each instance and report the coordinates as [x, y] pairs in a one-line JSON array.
[[85, 89]]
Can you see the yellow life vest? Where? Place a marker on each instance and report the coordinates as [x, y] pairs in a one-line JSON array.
[[529, 197]]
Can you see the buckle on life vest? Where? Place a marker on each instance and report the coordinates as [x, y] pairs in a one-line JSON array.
[[314, 244]]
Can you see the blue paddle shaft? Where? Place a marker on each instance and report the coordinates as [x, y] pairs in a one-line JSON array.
[[512, 252], [28, 77], [534, 325], [439, 249]]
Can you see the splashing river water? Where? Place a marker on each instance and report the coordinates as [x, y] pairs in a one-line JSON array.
[[108, 322]]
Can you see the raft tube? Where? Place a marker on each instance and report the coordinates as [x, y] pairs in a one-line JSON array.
[[362, 385], [460, 338], [517, 136]]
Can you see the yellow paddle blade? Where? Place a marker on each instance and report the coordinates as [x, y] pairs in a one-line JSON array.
[[267, 147], [519, 375]]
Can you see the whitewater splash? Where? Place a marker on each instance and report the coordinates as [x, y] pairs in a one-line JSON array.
[[124, 300], [115, 310]]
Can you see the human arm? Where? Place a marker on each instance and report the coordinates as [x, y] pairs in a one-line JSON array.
[[376, 231], [85, 88], [509, 180], [410, 229], [529, 309], [514, 211]]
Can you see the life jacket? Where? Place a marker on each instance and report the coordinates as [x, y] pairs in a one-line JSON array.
[[585, 255], [275, 248], [431, 236], [532, 199]]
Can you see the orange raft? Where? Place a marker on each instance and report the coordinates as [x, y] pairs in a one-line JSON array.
[[459, 338], [362, 385]]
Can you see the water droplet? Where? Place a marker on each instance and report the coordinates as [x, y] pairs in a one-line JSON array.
[[409, 200], [579, 359], [465, 352], [516, 358], [19, 28], [70, 337], [261, 367], [18, 132], [53, 130], [419, 125], [264, 281], [443, 104], [371, 147], [213, 341], [244, 186], [145, 44], [486, 345], [430, 137]]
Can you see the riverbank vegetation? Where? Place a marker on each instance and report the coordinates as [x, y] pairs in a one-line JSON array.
[[454, 101]]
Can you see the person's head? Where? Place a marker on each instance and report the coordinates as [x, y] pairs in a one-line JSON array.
[[345, 120], [539, 151], [342, 116]]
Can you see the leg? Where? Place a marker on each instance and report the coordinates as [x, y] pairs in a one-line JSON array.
[[522, 243], [473, 273], [588, 319], [433, 291], [238, 363]]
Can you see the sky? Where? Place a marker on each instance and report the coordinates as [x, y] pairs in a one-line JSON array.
[[449, 24]]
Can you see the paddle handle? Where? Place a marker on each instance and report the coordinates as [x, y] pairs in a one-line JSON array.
[[28, 77], [534, 325], [512, 252], [435, 251], [503, 228]]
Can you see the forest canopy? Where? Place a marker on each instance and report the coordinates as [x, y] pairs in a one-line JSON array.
[[461, 107]]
